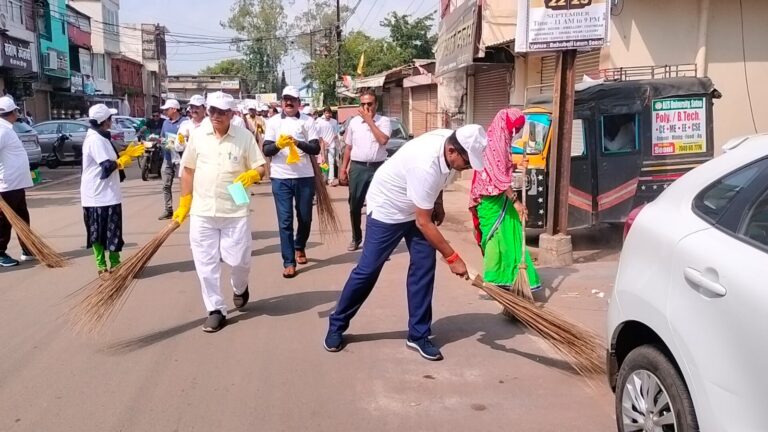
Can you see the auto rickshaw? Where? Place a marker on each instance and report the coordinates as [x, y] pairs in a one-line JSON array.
[[631, 140]]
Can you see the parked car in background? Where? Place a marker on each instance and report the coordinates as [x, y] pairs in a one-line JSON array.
[[50, 131], [127, 125], [29, 139], [399, 136], [686, 324]]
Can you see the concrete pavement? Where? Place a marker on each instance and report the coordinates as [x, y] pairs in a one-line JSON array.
[[153, 369]]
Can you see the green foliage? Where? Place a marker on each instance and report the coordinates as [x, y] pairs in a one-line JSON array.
[[226, 67], [263, 26], [319, 20], [412, 36]]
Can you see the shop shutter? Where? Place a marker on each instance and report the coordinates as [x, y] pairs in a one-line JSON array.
[[419, 108], [587, 63], [491, 95], [433, 116], [405, 116], [395, 102], [385, 102]]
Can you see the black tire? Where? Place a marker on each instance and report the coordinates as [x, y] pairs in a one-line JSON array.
[[145, 172], [52, 163], [653, 359]]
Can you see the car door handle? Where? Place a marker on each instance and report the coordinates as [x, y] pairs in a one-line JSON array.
[[697, 279]]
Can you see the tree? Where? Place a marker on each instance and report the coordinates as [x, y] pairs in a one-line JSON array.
[[412, 36], [226, 67], [262, 27], [317, 27]]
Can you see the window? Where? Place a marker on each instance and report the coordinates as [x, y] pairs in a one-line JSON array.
[[99, 66], [73, 128], [397, 130], [578, 139], [20, 127], [536, 132], [712, 203], [15, 11], [44, 20], [755, 228], [619, 133], [46, 128]]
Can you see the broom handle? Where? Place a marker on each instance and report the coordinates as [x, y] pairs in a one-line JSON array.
[[523, 219]]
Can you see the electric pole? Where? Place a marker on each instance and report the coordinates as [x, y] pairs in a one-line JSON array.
[[338, 39]]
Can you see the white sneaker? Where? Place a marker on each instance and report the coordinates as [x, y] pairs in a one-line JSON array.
[[27, 258]]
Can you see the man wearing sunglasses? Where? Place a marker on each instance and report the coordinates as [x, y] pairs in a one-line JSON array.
[[293, 184], [219, 154], [366, 137], [405, 202]]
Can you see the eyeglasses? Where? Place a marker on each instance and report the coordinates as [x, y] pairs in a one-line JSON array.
[[370, 104], [289, 99], [213, 111]]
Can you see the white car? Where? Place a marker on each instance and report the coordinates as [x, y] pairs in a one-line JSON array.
[[688, 320]]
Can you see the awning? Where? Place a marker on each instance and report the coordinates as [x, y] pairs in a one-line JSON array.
[[419, 80], [372, 81]]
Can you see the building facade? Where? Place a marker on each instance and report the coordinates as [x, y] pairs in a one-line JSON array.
[[183, 87], [145, 43], [478, 73], [19, 58], [127, 80], [105, 40]]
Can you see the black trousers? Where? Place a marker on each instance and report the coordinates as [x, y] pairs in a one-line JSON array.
[[360, 176], [17, 200]]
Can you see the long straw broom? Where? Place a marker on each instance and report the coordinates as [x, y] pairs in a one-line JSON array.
[[32, 240], [522, 286], [580, 347], [329, 221], [105, 298]]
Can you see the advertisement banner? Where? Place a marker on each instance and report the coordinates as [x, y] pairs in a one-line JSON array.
[[679, 126], [457, 40], [16, 54], [76, 82], [553, 25]]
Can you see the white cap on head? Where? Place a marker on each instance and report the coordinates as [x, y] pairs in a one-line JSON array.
[[197, 100], [100, 112], [263, 108], [220, 100], [7, 105], [472, 138], [307, 110], [291, 91], [170, 103]]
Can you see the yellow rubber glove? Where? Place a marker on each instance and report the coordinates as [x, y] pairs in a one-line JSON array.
[[248, 178], [181, 213], [123, 161], [286, 141], [181, 140], [133, 150]]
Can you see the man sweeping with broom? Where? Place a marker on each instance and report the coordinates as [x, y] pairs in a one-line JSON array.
[[404, 201], [14, 179], [219, 154]]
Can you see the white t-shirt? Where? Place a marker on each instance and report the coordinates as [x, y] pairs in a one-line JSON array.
[[302, 128], [328, 131], [365, 148], [411, 179], [14, 163], [95, 192], [238, 121]]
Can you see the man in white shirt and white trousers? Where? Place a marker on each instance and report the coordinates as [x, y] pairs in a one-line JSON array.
[[405, 202], [219, 154], [14, 179]]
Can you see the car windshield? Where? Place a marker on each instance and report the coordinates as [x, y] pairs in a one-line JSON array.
[[20, 127]]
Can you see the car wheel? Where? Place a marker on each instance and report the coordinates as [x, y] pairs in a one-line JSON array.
[[651, 396]]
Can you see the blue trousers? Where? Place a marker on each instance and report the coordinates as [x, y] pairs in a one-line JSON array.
[[287, 192], [381, 239]]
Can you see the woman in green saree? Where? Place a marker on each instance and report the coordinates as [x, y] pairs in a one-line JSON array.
[[496, 211]]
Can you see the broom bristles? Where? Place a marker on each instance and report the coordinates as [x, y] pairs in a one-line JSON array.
[[329, 222], [32, 240], [522, 286], [105, 298], [580, 347]]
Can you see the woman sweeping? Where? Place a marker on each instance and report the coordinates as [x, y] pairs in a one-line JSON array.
[[495, 208], [100, 188]]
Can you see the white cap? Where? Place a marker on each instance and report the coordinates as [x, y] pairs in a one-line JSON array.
[[197, 100], [472, 138], [100, 112], [291, 91], [307, 110], [7, 104], [221, 101], [170, 103], [263, 108]]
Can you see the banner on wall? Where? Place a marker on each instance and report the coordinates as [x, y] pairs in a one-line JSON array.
[[679, 126]]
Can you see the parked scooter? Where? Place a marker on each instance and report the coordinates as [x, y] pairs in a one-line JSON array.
[[57, 157], [151, 163]]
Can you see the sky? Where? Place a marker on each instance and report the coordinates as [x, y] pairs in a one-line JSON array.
[[202, 17]]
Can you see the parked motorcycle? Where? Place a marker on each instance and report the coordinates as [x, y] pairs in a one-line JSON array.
[[57, 157], [151, 163]]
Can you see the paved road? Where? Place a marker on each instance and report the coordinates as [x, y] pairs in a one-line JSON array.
[[153, 369]]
